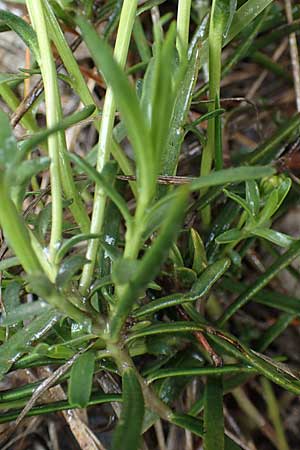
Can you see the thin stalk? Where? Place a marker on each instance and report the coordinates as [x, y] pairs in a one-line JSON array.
[[105, 137], [48, 70], [183, 26]]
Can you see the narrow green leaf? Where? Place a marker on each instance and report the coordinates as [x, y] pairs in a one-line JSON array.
[[252, 196], [188, 422], [7, 263], [128, 433], [198, 371], [269, 209], [265, 297], [229, 236], [283, 189], [23, 29], [128, 104], [245, 15], [24, 312], [238, 199], [11, 297], [213, 414], [81, 379], [234, 175], [148, 5], [68, 244], [21, 341], [277, 238], [199, 253], [181, 108], [200, 288], [63, 405]]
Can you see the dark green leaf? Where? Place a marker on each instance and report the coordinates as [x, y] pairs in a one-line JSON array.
[[24, 312], [23, 29], [81, 379], [238, 199], [229, 236], [277, 238], [21, 341], [128, 433], [269, 209], [252, 196], [11, 297], [213, 414]]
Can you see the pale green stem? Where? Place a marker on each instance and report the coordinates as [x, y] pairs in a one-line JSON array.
[[105, 137], [48, 70], [183, 27]]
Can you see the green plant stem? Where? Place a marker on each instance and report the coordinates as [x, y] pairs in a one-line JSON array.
[[183, 26], [36, 11], [105, 137], [69, 187]]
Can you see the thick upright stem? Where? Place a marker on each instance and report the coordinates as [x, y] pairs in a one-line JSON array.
[[46, 62]]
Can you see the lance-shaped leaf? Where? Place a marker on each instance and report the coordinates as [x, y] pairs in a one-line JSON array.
[[20, 342], [81, 379], [201, 287], [128, 433]]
